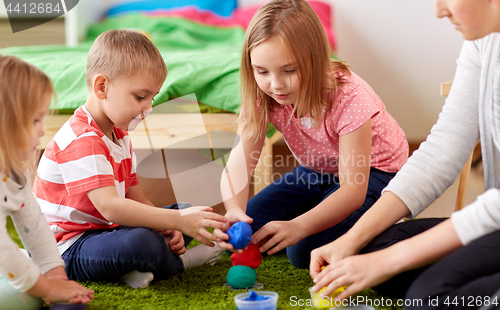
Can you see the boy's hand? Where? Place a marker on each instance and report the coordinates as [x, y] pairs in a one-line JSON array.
[[196, 220], [175, 240], [234, 215]]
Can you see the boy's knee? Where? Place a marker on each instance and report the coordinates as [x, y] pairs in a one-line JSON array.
[[144, 244]]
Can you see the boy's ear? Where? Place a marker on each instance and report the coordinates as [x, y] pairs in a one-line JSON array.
[[100, 86]]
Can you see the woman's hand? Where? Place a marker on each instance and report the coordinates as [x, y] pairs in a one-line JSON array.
[[278, 235], [359, 272], [332, 252]]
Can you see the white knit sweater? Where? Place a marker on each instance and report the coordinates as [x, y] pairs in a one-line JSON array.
[[465, 118], [19, 202]]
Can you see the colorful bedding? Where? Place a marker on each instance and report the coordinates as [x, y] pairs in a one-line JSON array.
[[201, 49], [239, 16], [222, 8], [200, 59]]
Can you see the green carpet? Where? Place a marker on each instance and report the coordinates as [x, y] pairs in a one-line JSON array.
[[202, 288]]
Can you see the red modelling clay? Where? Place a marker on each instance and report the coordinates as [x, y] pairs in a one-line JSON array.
[[251, 257]]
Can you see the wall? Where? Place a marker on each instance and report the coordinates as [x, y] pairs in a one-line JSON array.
[[402, 50]]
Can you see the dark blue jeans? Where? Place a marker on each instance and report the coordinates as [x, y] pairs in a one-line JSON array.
[[107, 255], [299, 191]]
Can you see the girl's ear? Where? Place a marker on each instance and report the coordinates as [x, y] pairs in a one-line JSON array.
[[100, 86]]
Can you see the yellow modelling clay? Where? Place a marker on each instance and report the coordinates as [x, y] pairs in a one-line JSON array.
[[325, 302]]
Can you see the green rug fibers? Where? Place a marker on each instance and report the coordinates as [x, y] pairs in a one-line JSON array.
[[202, 288]]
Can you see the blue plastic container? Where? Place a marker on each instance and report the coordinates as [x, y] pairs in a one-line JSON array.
[[270, 303]]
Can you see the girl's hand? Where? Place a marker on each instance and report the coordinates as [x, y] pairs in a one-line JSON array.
[[280, 234], [238, 215], [194, 222], [57, 272], [234, 215], [66, 291], [331, 252], [175, 240], [359, 272]]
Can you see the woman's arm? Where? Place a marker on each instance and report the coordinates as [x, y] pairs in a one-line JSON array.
[[438, 161], [359, 272], [384, 213]]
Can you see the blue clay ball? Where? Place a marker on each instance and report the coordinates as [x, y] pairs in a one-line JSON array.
[[241, 277], [240, 235]]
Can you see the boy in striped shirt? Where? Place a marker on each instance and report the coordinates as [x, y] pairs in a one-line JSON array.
[[87, 185]]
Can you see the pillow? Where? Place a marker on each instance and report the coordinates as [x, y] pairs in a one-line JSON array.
[[223, 8]]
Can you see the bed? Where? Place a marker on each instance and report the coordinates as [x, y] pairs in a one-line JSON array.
[[200, 41]]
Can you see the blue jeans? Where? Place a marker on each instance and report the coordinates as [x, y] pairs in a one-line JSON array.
[[299, 191], [109, 254]]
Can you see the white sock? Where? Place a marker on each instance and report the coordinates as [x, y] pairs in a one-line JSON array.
[[201, 254], [137, 279]]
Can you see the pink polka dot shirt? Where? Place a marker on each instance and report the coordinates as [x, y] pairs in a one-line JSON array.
[[356, 103]]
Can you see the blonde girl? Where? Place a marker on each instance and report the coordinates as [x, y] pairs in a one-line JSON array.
[[442, 263], [338, 129], [25, 96]]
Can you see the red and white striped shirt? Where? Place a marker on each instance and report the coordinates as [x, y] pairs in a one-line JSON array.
[[81, 158]]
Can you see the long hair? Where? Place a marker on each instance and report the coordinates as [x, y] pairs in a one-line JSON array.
[[298, 27], [23, 89]]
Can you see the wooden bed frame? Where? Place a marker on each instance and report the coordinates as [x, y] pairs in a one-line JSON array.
[[170, 129]]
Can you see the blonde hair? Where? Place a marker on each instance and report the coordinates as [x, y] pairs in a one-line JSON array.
[[298, 27], [22, 91], [122, 53]]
